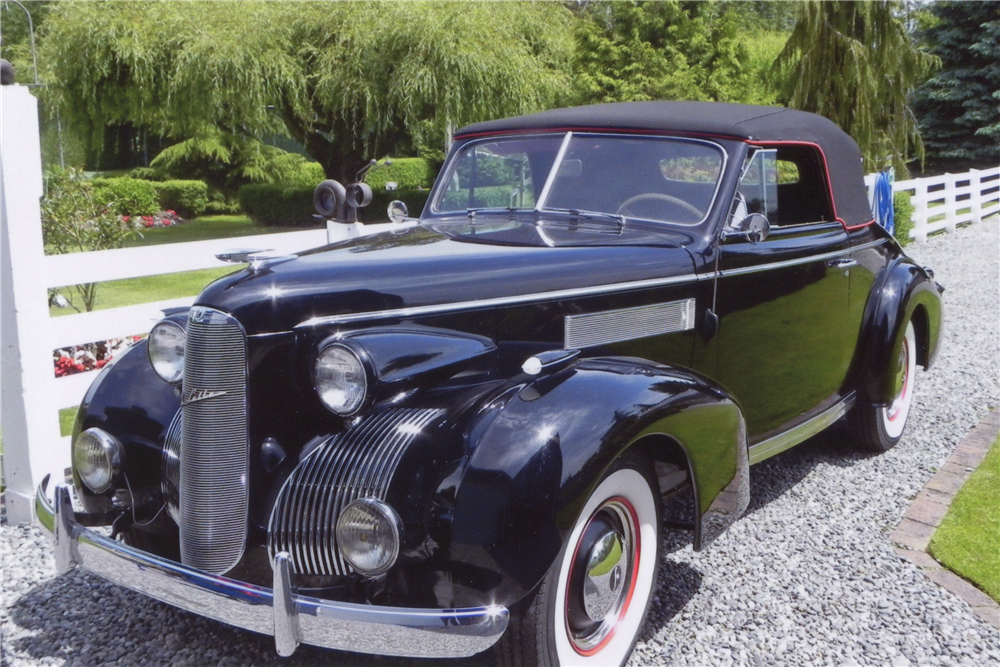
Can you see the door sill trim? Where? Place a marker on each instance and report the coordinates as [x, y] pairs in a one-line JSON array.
[[807, 429]]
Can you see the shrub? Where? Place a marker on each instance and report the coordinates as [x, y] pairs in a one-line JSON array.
[[74, 220], [376, 210], [188, 198], [902, 216], [308, 174], [148, 174], [276, 205], [408, 173], [126, 196]]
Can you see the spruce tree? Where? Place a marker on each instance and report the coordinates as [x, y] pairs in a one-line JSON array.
[[855, 63], [959, 108]]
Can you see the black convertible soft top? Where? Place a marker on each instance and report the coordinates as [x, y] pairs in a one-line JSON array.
[[737, 121]]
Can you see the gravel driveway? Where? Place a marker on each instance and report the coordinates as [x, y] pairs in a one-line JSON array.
[[807, 577]]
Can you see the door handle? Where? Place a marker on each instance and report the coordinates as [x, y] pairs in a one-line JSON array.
[[841, 263]]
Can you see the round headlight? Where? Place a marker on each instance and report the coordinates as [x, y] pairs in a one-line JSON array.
[[340, 378], [166, 350], [97, 457], [368, 535]]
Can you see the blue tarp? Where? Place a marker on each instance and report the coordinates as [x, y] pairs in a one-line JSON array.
[[882, 204]]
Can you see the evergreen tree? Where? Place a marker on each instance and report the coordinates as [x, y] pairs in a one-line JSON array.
[[629, 51], [854, 62], [959, 108]]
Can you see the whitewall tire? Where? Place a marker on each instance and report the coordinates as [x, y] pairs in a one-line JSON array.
[[591, 605]]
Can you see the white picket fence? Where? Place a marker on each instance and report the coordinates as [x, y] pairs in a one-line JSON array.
[[941, 203], [32, 395]]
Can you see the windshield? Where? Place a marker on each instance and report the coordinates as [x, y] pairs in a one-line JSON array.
[[662, 179]]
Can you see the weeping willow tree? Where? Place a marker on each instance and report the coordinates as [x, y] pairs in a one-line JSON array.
[[854, 63], [346, 80]]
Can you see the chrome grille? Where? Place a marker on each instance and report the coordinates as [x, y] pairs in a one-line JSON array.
[[358, 463], [616, 326], [170, 468], [214, 447]]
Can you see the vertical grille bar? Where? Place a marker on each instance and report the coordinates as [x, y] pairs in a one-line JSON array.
[[358, 463], [214, 446]]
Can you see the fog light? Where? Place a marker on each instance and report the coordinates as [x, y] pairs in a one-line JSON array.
[[368, 535], [97, 457]]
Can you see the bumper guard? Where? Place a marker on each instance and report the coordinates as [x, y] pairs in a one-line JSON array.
[[292, 619]]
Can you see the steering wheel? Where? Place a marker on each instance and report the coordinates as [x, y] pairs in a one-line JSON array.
[[657, 196]]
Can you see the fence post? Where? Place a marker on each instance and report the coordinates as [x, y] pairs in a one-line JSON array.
[[976, 195], [920, 211], [27, 371], [950, 207]]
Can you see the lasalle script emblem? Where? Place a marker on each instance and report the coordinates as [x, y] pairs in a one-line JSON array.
[[201, 395]]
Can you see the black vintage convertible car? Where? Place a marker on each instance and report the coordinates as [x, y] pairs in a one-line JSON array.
[[460, 435]]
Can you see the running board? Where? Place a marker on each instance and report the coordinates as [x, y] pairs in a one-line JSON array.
[[804, 431]]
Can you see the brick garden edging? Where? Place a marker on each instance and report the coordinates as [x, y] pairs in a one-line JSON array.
[[914, 532]]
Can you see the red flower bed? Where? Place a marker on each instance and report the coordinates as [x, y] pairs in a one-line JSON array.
[[91, 356]]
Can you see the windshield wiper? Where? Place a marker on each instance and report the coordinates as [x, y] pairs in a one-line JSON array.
[[471, 212], [590, 215]]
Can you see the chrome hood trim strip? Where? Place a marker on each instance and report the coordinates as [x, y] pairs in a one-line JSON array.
[[435, 309]]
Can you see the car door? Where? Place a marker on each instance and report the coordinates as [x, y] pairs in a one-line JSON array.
[[784, 345]]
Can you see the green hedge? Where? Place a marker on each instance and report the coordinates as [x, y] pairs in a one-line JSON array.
[[376, 211], [902, 211], [409, 173], [274, 205], [126, 196], [187, 198], [308, 174], [148, 174]]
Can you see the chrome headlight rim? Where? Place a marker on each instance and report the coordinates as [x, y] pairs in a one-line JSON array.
[[391, 518], [367, 374], [178, 376], [112, 451]]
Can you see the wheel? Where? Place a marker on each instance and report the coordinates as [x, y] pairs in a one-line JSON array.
[[625, 209], [880, 428], [591, 604]]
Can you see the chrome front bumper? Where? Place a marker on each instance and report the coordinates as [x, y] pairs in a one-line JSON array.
[[277, 611]]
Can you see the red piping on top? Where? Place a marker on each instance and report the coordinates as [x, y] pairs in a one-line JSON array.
[[602, 130], [826, 170]]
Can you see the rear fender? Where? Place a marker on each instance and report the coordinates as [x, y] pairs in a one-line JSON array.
[[903, 293], [536, 458]]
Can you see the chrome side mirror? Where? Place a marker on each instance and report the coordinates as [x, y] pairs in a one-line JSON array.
[[397, 211], [754, 228]]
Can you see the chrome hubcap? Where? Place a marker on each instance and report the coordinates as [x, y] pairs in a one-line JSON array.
[[904, 360], [602, 576], [605, 571]]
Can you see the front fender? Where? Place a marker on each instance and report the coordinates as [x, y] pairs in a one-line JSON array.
[[903, 292], [536, 460]]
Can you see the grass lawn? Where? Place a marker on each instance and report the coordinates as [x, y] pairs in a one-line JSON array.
[[66, 418], [205, 228], [132, 291], [968, 540]]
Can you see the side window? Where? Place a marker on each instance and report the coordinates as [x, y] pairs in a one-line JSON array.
[[803, 192], [758, 189]]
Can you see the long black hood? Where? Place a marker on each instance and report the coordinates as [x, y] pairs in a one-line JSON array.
[[445, 263]]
